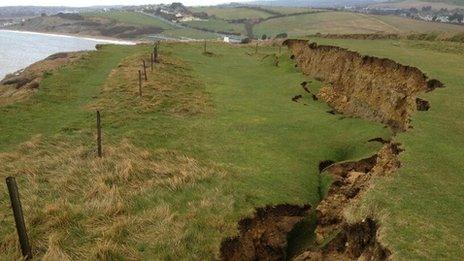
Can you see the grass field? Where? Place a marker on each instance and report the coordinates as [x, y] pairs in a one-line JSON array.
[[218, 25], [181, 33], [139, 19], [344, 23], [420, 206], [450, 5], [133, 18], [288, 10], [229, 13], [454, 2], [212, 138]]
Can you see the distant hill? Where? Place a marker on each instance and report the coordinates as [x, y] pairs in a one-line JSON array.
[[29, 11], [118, 25], [448, 4], [315, 3], [452, 2]]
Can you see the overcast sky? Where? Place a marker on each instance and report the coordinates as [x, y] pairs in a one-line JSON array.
[[109, 2]]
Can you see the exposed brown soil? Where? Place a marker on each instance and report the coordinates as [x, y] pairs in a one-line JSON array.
[[324, 164], [364, 86], [333, 112], [381, 140], [264, 236], [422, 105], [21, 84], [350, 180], [296, 98], [354, 242]]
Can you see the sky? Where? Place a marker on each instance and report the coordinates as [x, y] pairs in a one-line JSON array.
[[80, 3]]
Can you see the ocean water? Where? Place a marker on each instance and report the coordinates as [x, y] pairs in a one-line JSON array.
[[21, 49]]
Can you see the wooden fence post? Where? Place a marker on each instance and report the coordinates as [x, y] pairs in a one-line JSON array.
[[204, 47], [155, 53], [140, 83], [99, 135], [152, 55], [144, 69], [256, 48], [19, 218]]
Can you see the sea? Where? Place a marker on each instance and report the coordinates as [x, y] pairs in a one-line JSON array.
[[21, 49]]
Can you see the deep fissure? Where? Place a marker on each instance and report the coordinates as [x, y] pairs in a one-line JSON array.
[[373, 88]]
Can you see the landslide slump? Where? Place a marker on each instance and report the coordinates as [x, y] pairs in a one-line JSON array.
[[350, 180], [264, 236], [364, 86]]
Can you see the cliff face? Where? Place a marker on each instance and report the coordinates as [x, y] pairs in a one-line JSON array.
[[368, 87]]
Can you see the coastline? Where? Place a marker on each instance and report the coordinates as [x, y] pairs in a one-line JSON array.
[[92, 40], [99, 39]]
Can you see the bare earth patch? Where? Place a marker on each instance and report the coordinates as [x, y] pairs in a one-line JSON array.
[[264, 236], [364, 86]]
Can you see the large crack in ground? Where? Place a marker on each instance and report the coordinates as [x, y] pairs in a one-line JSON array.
[[368, 87], [364, 86], [349, 181], [264, 236]]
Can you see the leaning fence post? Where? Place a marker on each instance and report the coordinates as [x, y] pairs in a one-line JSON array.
[[155, 53], [152, 60], [140, 83], [204, 47], [99, 135], [19, 218], [144, 69]]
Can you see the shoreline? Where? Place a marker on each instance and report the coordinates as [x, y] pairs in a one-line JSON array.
[[102, 39]]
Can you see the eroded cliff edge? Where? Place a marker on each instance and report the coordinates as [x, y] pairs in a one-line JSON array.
[[368, 87], [363, 86]]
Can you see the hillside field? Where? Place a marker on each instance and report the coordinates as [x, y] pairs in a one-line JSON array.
[[140, 19], [229, 13], [132, 18], [345, 23]]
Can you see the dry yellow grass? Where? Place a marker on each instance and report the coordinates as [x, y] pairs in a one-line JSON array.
[[78, 206], [169, 88]]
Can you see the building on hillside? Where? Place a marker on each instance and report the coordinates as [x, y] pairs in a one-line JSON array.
[[189, 19]]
